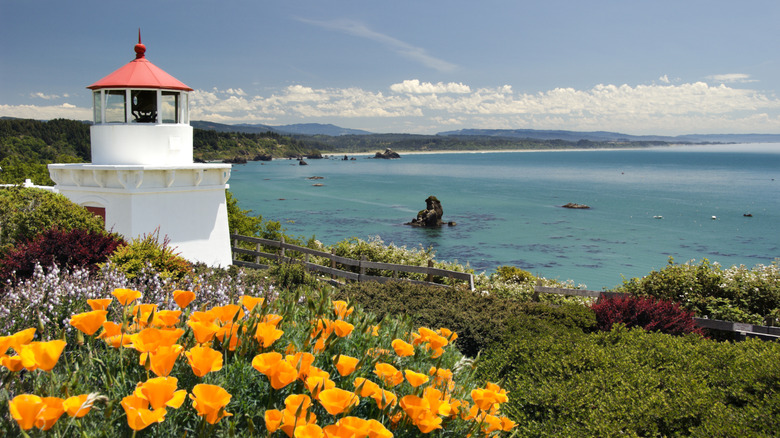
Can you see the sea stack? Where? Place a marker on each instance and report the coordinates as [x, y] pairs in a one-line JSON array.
[[431, 216]]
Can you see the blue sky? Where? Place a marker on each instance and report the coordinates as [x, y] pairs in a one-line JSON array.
[[639, 67]]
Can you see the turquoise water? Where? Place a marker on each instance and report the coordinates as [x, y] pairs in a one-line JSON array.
[[507, 206]]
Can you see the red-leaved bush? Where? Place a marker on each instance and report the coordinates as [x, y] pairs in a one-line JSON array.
[[648, 313], [74, 248]]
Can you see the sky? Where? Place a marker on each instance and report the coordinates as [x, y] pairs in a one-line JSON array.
[[666, 67]]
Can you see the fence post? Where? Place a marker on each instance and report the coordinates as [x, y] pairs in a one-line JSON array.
[[306, 261], [362, 268], [235, 245], [257, 257], [471, 282], [281, 247], [430, 276], [332, 263]]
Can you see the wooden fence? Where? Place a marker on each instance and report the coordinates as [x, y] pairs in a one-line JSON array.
[[359, 265], [741, 330]]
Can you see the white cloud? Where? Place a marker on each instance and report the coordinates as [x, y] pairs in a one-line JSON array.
[[40, 95], [664, 79], [414, 86], [731, 78], [402, 48], [415, 106]]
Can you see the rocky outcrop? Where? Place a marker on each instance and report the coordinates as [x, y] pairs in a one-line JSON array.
[[573, 205], [387, 154], [263, 157], [431, 216]]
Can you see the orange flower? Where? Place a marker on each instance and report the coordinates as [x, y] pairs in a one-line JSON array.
[[402, 349], [378, 430], [279, 371], [337, 400], [41, 355], [77, 406], [342, 328], [267, 334], [52, 411], [439, 404], [183, 297], [273, 319], [251, 302], [204, 360], [210, 402], [112, 334], [203, 316], [317, 381], [146, 341], [308, 431], [164, 358], [348, 427], [491, 395], [415, 379], [301, 361], [25, 409], [346, 365], [365, 387], [16, 340], [139, 416], [384, 398], [273, 419], [228, 313], [388, 373], [341, 309], [161, 392], [229, 333], [166, 318], [13, 363], [89, 322], [126, 296], [99, 304], [204, 331]]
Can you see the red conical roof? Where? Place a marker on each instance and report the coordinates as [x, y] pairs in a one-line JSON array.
[[140, 73]]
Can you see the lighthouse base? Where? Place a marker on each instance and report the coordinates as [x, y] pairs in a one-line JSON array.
[[185, 203]]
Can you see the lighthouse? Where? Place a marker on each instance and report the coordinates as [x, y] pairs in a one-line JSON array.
[[142, 178]]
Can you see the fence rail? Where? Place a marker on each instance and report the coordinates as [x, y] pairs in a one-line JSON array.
[[360, 265]]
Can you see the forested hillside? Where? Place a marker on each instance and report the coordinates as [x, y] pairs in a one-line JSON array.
[[27, 146]]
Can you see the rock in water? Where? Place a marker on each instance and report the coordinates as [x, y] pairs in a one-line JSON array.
[[573, 205], [431, 216], [387, 154]]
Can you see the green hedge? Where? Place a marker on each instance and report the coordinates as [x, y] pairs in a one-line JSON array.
[[629, 382], [478, 319]]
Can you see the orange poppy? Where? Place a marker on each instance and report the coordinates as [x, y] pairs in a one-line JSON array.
[[251, 302], [428, 422], [378, 430], [13, 363], [139, 416], [166, 318], [227, 313], [161, 392], [317, 382], [183, 298], [266, 334], [388, 373], [52, 411], [272, 318], [164, 358], [99, 304], [126, 296], [402, 349], [365, 387], [346, 365], [273, 419], [438, 402], [231, 333], [16, 340], [145, 341], [89, 322], [341, 309], [112, 334], [415, 379], [204, 331], [204, 360], [25, 409], [342, 328], [77, 406], [337, 400], [41, 355], [348, 427], [384, 398], [210, 402], [308, 431], [302, 362], [170, 336], [201, 316]]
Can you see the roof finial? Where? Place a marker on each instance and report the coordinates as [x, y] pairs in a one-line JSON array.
[[140, 49]]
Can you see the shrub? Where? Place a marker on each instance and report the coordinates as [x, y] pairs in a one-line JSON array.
[[478, 319], [629, 382], [515, 274], [735, 294], [148, 250], [291, 275], [26, 212], [74, 248], [647, 313]]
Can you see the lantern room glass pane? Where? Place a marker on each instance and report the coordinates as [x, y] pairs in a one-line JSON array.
[[97, 107], [115, 106], [169, 107], [144, 106]]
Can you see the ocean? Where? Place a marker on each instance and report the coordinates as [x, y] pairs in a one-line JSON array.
[[646, 205]]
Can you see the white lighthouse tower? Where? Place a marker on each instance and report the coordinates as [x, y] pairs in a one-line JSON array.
[[142, 177]]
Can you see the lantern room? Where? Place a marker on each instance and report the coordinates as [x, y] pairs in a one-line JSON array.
[[141, 116]]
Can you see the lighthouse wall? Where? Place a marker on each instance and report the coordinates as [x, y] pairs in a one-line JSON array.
[[185, 203], [135, 143]]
